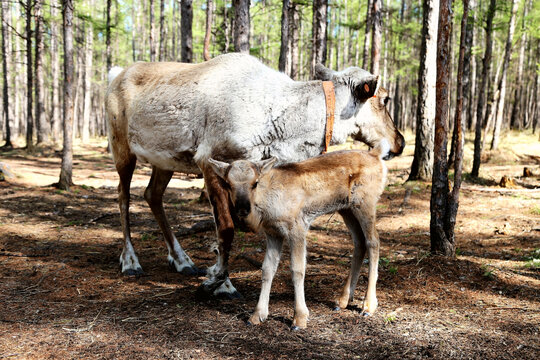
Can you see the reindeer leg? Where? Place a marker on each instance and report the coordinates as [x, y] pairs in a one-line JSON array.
[[218, 283], [269, 267], [154, 196], [128, 259], [359, 252]]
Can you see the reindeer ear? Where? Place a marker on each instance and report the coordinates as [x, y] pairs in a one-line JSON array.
[[366, 88], [266, 165], [323, 73], [219, 167]]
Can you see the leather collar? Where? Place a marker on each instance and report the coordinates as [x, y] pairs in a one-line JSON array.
[[330, 99]]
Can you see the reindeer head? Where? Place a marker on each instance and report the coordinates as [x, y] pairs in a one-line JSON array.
[[242, 177], [366, 106]]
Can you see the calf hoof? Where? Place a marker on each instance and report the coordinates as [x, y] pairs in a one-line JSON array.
[[337, 308], [295, 328], [206, 289], [366, 313]]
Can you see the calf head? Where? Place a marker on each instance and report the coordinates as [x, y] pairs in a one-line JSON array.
[[242, 177], [366, 106]]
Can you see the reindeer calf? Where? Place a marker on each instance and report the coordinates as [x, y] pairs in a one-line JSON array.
[[283, 202]]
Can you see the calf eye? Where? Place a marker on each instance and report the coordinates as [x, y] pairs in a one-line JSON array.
[[386, 100], [254, 185]]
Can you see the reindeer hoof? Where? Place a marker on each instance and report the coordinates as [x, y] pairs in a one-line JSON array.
[[366, 313], [134, 272], [249, 323], [295, 328], [235, 295], [337, 308], [189, 270]]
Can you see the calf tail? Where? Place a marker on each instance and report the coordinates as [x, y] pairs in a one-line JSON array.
[[381, 149]]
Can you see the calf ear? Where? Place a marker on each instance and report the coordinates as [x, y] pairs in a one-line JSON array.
[[323, 73], [366, 88], [219, 167], [266, 165]]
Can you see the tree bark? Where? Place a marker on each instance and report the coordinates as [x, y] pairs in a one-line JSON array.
[[284, 49], [482, 90], [152, 35], [422, 165], [29, 79], [162, 29], [516, 119], [376, 37], [55, 71], [367, 37], [208, 33], [241, 26], [318, 55], [186, 21], [442, 240], [294, 35], [5, 66], [502, 84], [42, 125], [85, 133], [108, 35], [66, 171]]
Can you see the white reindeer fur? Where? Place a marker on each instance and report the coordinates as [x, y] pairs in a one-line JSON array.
[[237, 102]]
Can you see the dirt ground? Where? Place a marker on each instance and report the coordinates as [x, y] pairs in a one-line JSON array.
[[62, 295]]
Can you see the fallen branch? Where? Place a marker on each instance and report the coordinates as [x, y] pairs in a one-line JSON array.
[[19, 255], [501, 190], [201, 226]]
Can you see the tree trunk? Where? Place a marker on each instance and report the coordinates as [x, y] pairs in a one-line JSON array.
[[107, 35], [422, 165], [294, 28], [5, 66], [55, 70], [152, 35], [472, 75], [502, 83], [241, 26], [29, 79], [516, 119], [284, 49], [482, 90], [376, 37], [535, 112], [365, 56], [186, 13], [162, 29], [208, 33], [85, 134], [442, 235], [42, 125], [318, 55], [67, 154]]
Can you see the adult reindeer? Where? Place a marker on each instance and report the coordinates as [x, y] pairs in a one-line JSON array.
[[176, 116]]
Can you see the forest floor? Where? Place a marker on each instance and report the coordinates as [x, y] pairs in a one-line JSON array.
[[62, 295]]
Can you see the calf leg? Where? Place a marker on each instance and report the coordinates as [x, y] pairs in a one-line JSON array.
[[269, 267], [359, 252], [367, 221], [298, 269], [128, 258], [154, 196], [218, 282]]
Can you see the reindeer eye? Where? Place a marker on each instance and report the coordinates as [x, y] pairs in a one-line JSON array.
[[386, 100], [254, 185]]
